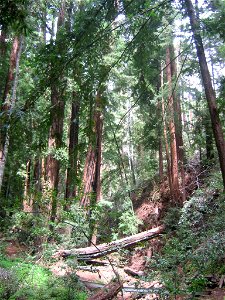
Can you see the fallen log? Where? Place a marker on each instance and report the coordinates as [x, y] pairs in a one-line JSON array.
[[132, 272], [107, 292], [106, 248]]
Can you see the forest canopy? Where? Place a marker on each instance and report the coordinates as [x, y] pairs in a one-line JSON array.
[[99, 99]]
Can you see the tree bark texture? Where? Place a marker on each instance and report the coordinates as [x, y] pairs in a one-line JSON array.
[[207, 83], [178, 125], [71, 179], [56, 128], [92, 169], [172, 130], [166, 139], [109, 291], [9, 99], [91, 176], [104, 249], [54, 143], [160, 159]]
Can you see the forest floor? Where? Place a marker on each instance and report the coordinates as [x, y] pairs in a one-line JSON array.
[[151, 201], [97, 277]]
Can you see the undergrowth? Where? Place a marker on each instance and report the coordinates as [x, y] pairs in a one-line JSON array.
[[194, 246], [27, 281]]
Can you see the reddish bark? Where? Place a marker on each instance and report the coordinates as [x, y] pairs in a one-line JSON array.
[[9, 98], [91, 177], [88, 176], [172, 131], [27, 203], [92, 169], [106, 248], [11, 72], [2, 43], [109, 291], [166, 140], [178, 126], [207, 83], [71, 178], [55, 142], [56, 129]]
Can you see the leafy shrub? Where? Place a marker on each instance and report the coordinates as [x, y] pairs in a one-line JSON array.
[[32, 282], [196, 249]]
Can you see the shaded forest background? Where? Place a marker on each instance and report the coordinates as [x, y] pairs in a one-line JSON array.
[[111, 121]]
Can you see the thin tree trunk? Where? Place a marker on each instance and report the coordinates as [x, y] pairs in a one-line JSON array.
[[97, 179], [207, 83], [178, 126], [166, 139], [160, 160], [71, 179], [173, 144], [88, 176], [3, 61], [208, 139], [9, 102], [27, 201], [2, 43]]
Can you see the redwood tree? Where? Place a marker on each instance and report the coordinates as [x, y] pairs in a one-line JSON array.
[[56, 117], [207, 83]]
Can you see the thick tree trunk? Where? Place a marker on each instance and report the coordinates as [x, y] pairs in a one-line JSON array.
[[173, 142], [92, 170], [71, 179], [104, 249], [54, 143], [8, 103], [209, 91], [56, 129]]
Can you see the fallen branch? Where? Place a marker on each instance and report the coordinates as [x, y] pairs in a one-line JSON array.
[[132, 272], [103, 249], [107, 292]]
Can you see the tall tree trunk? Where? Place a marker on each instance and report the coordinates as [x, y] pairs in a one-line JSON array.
[[3, 61], [92, 169], [178, 125], [27, 179], [27, 201], [2, 43], [54, 143], [160, 159], [97, 179], [209, 91], [208, 139], [173, 142], [166, 139], [71, 179], [9, 100], [56, 128]]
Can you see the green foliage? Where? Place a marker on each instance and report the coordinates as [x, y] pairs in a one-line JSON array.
[[196, 248], [19, 280], [76, 227], [29, 228]]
